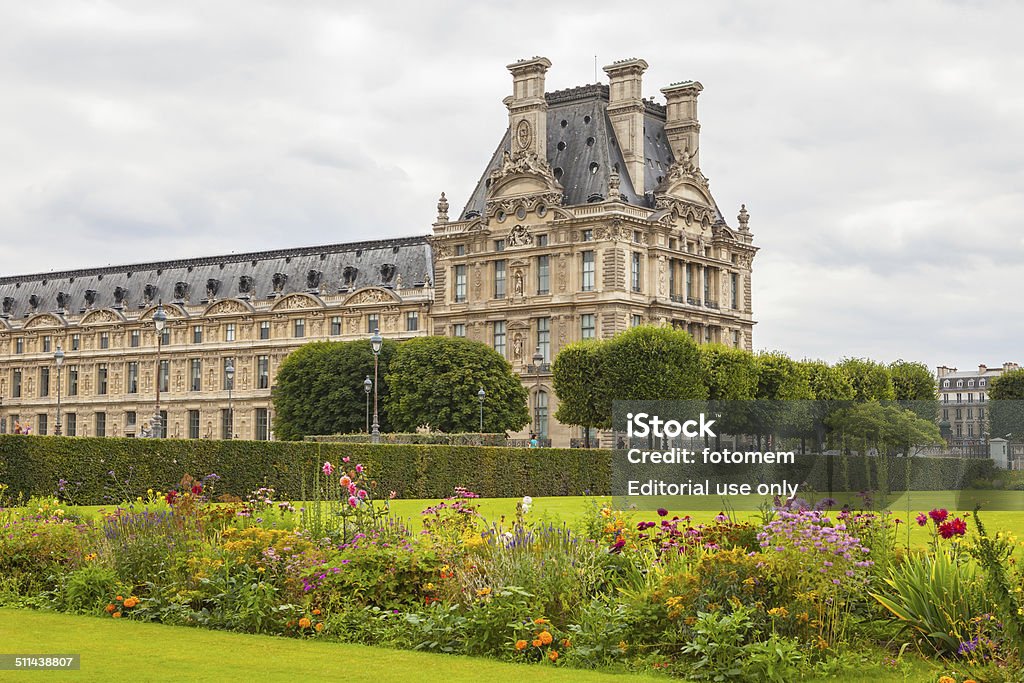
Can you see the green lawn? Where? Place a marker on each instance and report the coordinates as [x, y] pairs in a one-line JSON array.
[[113, 650]]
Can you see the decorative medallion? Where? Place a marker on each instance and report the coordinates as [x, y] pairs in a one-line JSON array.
[[524, 134]]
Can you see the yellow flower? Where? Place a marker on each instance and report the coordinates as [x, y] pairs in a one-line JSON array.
[[605, 512], [623, 646], [778, 612], [483, 592]]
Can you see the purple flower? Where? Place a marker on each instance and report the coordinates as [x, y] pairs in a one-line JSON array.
[[662, 512]]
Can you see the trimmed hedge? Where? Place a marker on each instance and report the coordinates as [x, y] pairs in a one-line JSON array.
[[465, 439], [33, 465]]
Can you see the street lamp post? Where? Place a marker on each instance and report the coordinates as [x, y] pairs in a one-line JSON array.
[[367, 386], [376, 341], [538, 358], [58, 358], [159, 320], [480, 397], [229, 372]]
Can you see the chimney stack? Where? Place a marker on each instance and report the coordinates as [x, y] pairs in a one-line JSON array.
[[681, 126], [982, 368], [527, 108], [626, 113]]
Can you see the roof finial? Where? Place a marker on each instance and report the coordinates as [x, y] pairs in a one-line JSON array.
[[743, 218], [442, 209]]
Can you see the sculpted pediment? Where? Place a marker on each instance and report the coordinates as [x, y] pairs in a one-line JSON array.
[[297, 301], [372, 295], [228, 307], [103, 316], [43, 320], [171, 310]]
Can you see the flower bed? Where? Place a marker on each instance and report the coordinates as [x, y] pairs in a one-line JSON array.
[[800, 592]]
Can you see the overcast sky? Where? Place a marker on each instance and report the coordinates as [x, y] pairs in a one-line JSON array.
[[878, 145]]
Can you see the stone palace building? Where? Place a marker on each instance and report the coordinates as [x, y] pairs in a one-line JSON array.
[[593, 215]]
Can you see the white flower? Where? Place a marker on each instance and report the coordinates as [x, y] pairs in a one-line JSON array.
[[527, 500]]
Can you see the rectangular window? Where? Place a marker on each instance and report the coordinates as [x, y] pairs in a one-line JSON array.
[[636, 321], [736, 338], [499, 279], [263, 372], [262, 424], [587, 235], [41, 424], [101, 424], [197, 374], [460, 284], [104, 340], [101, 379], [707, 285], [459, 330], [981, 413], [165, 336], [544, 337], [133, 339], [131, 418], [542, 240], [133, 377], [71, 428], [970, 430], [19, 345], [197, 334], [970, 398], [543, 274], [47, 343], [76, 342], [16, 383], [734, 284], [412, 321], [165, 375], [265, 329], [72, 380], [636, 236], [689, 283], [335, 325], [44, 382], [498, 334], [945, 413], [460, 249], [373, 322], [229, 332], [970, 413], [226, 428], [300, 328], [499, 245], [588, 271], [193, 424], [588, 329], [959, 413], [228, 382], [634, 272]]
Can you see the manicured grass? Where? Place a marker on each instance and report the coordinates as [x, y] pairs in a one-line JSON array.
[[132, 651], [126, 650]]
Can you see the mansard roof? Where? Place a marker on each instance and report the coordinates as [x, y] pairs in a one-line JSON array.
[[256, 275], [582, 150]]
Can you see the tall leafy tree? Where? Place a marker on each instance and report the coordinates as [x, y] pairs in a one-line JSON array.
[[319, 388], [871, 381], [576, 375], [434, 381], [914, 387], [831, 390], [649, 363], [781, 385], [1006, 409], [731, 375]]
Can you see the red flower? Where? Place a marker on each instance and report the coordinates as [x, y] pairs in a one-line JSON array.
[[197, 489], [171, 497], [938, 515], [946, 530], [958, 526]]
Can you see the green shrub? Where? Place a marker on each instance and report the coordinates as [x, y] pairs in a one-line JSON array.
[[88, 589]]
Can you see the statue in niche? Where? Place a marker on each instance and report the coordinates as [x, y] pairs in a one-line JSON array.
[[212, 287], [279, 281], [517, 346], [398, 281], [120, 293], [517, 286], [313, 279]]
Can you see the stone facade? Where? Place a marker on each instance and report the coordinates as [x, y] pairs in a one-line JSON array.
[[592, 216], [963, 403]]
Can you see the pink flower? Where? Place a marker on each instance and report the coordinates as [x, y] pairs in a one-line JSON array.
[[352, 488], [922, 519], [938, 515], [393, 495], [353, 501], [328, 468], [345, 459], [359, 468], [362, 494]]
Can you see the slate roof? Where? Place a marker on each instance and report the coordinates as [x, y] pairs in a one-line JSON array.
[[582, 150], [410, 256]]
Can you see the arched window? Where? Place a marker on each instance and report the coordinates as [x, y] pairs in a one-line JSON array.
[[959, 383], [540, 413], [945, 384], [970, 382]]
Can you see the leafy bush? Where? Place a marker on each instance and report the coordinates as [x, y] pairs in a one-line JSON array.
[[87, 589]]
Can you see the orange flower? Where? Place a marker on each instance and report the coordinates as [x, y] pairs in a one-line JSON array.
[[345, 481], [116, 615], [566, 643], [131, 602], [304, 622], [319, 626], [537, 643], [290, 623], [119, 598], [540, 621], [520, 644], [947, 679], [110, 608], [545, 637], [316, 612], [553, 655]]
